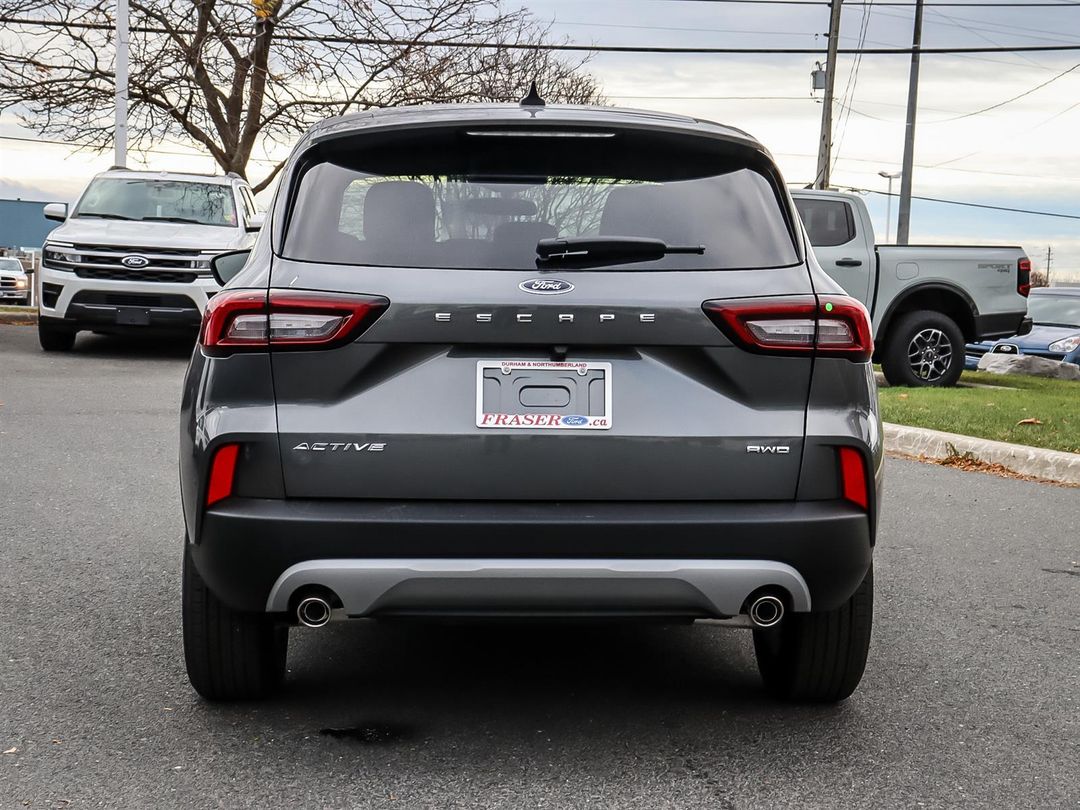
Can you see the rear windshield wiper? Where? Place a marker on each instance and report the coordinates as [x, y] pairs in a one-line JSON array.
[[102, 215], [600, 250], [172, 219]]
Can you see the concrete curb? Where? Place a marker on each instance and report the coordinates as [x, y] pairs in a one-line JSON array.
[[14, 316], [1052, 465]]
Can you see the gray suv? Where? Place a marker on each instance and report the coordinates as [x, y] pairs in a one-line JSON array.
[[530, 361]]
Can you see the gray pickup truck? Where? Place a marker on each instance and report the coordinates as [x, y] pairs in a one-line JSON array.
[[926, 301]]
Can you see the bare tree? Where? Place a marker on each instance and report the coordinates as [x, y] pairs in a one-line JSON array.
[[234, 75]]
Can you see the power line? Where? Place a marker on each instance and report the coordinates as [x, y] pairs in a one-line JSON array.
[[1042, 123], [574, 47], [878, 162], [976, 205], [1011, 100], [853, 78]]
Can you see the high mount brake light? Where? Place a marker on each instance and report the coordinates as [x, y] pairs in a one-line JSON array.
[[236, 320], [1023, 276], [830, 325]]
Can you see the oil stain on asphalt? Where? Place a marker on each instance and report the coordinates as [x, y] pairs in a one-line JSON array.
[[370, 734]]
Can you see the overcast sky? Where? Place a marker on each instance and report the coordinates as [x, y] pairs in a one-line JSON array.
[[1025, 154]]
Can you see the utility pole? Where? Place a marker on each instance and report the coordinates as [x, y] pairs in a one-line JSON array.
[[1049, 261], [824, 159], [122, 42], [903, 222]]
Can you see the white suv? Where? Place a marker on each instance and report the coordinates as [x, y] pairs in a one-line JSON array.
[[134, 253]]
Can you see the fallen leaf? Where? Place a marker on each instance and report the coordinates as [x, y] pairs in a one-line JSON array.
[[1031, 420], [902, 396], [11, 750]]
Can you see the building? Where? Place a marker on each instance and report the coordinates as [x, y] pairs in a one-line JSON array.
[[23, 225]]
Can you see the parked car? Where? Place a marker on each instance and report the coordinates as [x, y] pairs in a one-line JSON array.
[[1055, 334], [926, 301], [546, 361], [14, 283], [134, 255]]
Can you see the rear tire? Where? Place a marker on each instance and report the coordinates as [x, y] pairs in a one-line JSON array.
[[915, 350], [818, 657], [230, 655], [55, 338]]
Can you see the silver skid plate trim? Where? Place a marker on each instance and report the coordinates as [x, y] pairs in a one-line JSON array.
[[715, 587]]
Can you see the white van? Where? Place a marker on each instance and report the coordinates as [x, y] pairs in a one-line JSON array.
[[133, 255]]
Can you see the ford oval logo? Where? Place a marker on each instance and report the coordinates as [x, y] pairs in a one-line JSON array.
[[546, 286], [575, 421], [134, 261]]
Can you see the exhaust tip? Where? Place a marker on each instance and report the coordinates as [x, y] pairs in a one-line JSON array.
[[766, 611], [313, 611]]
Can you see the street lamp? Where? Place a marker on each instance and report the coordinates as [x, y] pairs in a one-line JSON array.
[[890, 176]]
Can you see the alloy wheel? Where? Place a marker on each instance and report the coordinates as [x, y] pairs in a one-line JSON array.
[[930, 354]]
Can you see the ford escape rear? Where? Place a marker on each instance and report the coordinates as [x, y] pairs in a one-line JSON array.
[[530, 361]]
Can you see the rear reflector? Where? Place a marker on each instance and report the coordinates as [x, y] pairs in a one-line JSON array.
[[1023, 276], [243, 319], [834, 325], [853, 476], [222, 472]]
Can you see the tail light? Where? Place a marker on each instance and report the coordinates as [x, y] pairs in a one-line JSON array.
[[853, 476], [833, 325], [1023, 276], [255, 319], [222, 473]]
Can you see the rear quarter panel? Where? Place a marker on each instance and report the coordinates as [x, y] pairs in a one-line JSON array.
[[985, 276]]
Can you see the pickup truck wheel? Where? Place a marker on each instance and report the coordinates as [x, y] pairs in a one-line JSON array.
[[924, 348], [55, 338], [818, 657], [230, 655]]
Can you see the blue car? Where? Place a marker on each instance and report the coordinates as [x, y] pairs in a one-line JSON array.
[[1055, 331]]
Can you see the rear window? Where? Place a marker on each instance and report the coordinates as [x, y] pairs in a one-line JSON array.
[[460, 200], [828, 222], [1057, 310]]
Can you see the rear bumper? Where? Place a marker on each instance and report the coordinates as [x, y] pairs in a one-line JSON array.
[[711, 588], [1000, 325], [661, 557]]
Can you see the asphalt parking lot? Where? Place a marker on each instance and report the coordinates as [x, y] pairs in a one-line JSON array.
[[971, 697]]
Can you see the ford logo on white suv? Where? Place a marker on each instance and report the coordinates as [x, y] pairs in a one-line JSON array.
[[546, 286], [134, 261]]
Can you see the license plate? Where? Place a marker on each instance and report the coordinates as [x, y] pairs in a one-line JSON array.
[[543, 395], [132, 316]]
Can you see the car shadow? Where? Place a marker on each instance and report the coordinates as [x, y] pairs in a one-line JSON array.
[[594, 686], [172, 347]]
